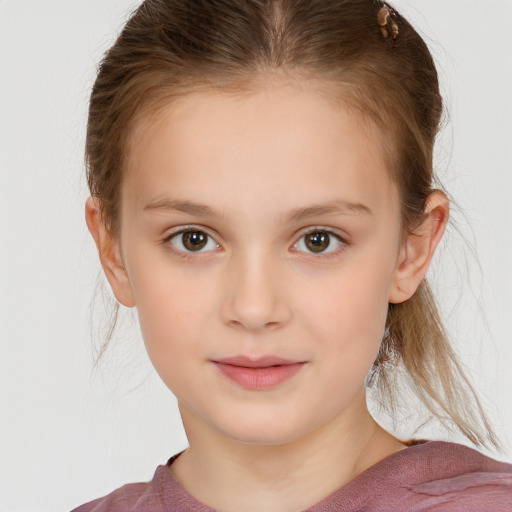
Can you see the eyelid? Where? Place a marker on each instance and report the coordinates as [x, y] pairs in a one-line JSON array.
[[339, 236], [183, 229]]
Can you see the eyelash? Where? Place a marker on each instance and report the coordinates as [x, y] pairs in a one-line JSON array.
[[185, 254], [320, 255], [323, 255]]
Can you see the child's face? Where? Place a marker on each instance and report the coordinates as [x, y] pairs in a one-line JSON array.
[[287, 241]]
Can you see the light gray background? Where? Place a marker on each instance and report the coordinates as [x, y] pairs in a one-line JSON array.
[[69, 434]]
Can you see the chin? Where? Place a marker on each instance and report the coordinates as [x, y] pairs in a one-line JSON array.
[[259, 432]]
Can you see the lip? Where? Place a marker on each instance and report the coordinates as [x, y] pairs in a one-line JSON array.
[[258, 373]]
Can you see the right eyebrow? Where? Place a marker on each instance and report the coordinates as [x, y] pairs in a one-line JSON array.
[[189, 207]]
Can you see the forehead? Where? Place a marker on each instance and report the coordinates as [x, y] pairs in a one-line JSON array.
[[279, 143]]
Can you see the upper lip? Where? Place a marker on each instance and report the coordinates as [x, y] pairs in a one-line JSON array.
[[256, 362]]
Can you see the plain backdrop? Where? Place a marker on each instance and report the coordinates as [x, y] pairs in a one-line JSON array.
[[70, 433]]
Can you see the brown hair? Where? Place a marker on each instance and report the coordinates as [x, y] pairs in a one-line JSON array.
[[170, 48]]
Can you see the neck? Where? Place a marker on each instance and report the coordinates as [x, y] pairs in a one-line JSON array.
[[231, 476]]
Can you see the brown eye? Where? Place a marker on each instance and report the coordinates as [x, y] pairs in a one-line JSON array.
[[193, 240], [317, 242]]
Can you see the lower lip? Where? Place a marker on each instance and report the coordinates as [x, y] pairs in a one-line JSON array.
[[259, 378]]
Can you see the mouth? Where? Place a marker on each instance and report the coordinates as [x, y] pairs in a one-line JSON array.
[[258, 373]]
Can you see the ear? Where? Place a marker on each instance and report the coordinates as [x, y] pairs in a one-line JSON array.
[[419, 247], [109, 252]]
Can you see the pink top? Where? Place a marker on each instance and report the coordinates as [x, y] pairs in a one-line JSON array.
[[428, 476]]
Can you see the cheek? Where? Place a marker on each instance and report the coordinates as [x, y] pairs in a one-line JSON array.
[[173, 305], [355, 294], [348, 310]]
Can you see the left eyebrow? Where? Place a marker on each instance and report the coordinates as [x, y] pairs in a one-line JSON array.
[[339, 207]]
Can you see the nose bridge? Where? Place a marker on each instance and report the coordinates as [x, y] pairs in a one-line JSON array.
[[255, 297]]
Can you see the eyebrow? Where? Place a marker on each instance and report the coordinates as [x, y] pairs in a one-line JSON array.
[[189, 207], [331, 208], [339, 207]]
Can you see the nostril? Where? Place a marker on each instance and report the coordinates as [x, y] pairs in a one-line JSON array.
[[254, 326]]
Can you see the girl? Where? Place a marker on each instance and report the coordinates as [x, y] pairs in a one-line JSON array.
[[262, 191]]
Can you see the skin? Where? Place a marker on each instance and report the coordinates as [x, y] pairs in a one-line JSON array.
[[256, 289]]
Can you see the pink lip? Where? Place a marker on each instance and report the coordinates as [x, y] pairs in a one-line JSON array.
[[259, 373]]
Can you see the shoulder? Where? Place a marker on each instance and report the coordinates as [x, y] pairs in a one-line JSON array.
[[448, 477], [132, 497], [428, 476], [472, 491], [457, 478], [162, 494]]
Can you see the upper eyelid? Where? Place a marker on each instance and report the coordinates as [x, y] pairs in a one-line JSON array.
[[343, 240], [322, 229], [340, 235], [183, 229], [167, 240]]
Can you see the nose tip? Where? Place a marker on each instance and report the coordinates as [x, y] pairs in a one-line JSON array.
[[255, 300], [254, 311]]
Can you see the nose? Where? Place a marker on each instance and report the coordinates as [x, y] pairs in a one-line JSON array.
[[255, 297]]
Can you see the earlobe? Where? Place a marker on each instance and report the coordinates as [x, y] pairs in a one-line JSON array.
[[419, 247], [109, 253]]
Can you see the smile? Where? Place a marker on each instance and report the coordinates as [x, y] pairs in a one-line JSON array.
[[258, 374]]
